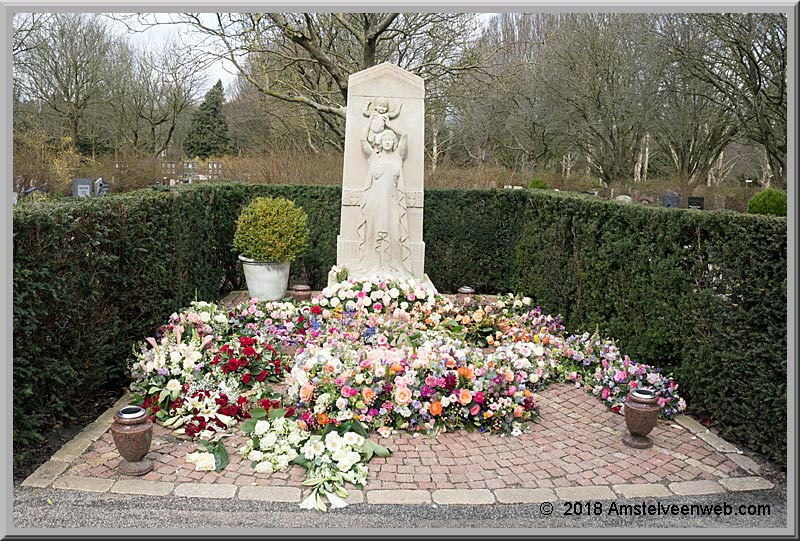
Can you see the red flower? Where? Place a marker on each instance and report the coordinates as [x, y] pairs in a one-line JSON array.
[[232, 365], [243, 361], [215, 360], [262, 376], [224, 348], [245, 378], [241, 401], [248, 351], [289, 411], [156, 409], [246, 341], [316, 310], [615, 409]]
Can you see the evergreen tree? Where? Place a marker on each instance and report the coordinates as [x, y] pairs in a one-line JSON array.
[[208, 133]]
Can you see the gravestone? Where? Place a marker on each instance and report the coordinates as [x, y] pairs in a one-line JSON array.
[[624, 199], [101, 187], [671, 199], [14, 198], [695, 203], [81, 187], [380, 231]]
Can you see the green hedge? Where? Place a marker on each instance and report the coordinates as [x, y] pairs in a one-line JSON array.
[[700, 293], [92, 277]]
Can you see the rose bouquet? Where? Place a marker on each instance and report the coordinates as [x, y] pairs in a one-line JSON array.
[[250, 359]]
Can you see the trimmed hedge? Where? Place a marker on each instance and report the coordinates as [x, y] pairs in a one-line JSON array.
[[92, 277]]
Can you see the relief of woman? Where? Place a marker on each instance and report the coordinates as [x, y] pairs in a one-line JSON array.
[[383, 231]]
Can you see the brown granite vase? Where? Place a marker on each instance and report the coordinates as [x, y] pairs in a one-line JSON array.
[[132, 431], [301, 292], [641, 415]]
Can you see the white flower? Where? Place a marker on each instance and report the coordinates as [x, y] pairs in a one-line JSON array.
[[354, 440], [255, 455], [394, 293], [202, 461], [335, 302], [269, 439], [264, 467], [173, 385], [295, 438], [333, 442], [221, 318], [445, 401], [526, 301], [262, 427], [341, 403], [205, 317], [533, 378]]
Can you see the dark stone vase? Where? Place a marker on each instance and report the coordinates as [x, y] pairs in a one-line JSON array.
[[132, 431], [641, 415], [301, 292]]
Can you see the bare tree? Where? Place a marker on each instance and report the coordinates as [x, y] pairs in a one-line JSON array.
[[693, 128], [306, 58], [65, 68], [745, 64], [601, 77], [150, 91]]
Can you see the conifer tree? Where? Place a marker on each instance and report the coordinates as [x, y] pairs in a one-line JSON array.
[[208, 133]]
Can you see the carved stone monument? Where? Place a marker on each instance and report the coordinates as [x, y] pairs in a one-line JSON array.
[[382, 187]]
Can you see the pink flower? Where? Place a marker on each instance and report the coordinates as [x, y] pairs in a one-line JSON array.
[[512, 390], [662, 402], [347, 391], [478, 397], [605, 393], [339, 382], [377, 306], [361, 294], [479, 372], [411, 297], [475, 409], [365, 363], [252, 309]]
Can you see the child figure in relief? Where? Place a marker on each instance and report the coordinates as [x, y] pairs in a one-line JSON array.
[[379, 114]]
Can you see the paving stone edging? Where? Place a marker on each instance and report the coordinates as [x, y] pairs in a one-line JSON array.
[[49, 475]]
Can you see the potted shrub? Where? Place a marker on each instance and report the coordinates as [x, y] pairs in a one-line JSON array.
[[270, 234]]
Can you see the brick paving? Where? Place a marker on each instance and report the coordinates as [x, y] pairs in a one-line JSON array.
[[577, 442]]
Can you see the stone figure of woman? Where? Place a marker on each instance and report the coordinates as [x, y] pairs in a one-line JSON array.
[[383, 231]]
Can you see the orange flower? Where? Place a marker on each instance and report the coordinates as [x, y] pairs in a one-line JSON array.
[[465, 397], [402, 395], [450, 363], [509, 375], [302, 424], [322, 419], [306, 391], [518, 411], [545, 340], [436, 408], [330, 368], [527, 393], [396, 368], [368, 394]]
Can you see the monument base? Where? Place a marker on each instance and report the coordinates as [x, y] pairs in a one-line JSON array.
[[425, 282]]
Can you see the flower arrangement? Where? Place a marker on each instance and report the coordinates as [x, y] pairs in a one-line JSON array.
[[609, 375], [377, 354]]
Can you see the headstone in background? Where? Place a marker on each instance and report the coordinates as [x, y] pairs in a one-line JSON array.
[[624, 199], [14, 198], [81, 187], [695, 202], [382, 185], [101, 187], [172, 182], [671, 199]]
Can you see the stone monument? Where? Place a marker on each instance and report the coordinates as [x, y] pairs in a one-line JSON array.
[[382, 187]]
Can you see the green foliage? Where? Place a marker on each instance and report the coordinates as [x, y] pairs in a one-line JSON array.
[[208, 133], [94, 276], [700, 293], [538, 184], [271, 229], [771, 202]]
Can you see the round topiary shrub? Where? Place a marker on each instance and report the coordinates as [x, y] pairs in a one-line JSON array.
[[772, 202], [538, 184], [271, 229]]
